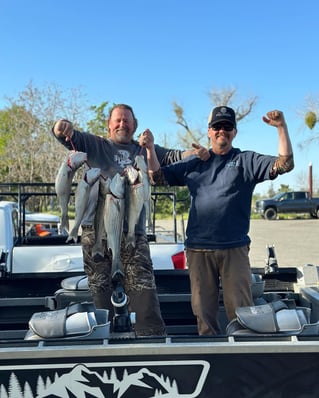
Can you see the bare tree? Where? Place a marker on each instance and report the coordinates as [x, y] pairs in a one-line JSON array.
[[218, 97], [29, 152], [228, 96], [192, 135]]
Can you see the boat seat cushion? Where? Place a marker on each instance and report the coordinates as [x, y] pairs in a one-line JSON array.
[[80, 319], [277, 316]]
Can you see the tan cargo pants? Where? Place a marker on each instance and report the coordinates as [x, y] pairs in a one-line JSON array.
[[206, 269]]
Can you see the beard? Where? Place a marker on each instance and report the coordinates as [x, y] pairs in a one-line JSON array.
[[123, 136]]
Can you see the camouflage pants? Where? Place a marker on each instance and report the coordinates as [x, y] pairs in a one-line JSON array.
[[139, 282]]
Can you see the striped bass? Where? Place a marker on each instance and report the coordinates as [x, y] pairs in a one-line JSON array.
[[82, 194], [63, 184], [104, 189], [134, 199], [114, 219], [141, 166]]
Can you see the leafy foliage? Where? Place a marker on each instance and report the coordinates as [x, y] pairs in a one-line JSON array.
[[97, 125], [165, 205], [310, 119]]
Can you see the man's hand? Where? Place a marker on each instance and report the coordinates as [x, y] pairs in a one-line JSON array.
[[201, 152], [146, 139], [63, 128], [275, 118]]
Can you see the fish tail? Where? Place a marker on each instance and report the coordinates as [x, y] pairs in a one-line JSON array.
[[117, 267], [130, 240]]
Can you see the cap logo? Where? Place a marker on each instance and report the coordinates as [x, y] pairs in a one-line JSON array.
[[223, 112]]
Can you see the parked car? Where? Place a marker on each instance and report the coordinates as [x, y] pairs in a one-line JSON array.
[[288, 202], [36, 224]]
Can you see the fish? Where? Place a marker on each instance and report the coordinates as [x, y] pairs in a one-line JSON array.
[[63, 184], [82, 194], [141, 166], [114, 210], [132, 174], [104, 189], [134, 206]]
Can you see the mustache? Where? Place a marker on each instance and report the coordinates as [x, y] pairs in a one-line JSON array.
[[122, 129]]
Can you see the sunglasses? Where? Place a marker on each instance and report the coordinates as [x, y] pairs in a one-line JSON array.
[[224, 126]]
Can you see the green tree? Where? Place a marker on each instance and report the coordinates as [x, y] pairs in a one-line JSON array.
[[309, 114], [20, 144], [5, 136], [97, 125], [284, 188]]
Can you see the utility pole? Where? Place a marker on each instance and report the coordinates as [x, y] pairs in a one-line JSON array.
[[310, 180]]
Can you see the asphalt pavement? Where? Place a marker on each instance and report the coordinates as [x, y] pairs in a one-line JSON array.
[[296, 242]]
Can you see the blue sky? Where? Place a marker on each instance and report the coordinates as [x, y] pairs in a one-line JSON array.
[[151, 53]]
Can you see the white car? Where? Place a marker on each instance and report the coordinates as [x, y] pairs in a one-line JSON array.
[[41, 224]]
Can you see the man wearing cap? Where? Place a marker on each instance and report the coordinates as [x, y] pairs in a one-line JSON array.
[[221, 188], [112, 155]]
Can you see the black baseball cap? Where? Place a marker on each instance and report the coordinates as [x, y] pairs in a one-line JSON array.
[[222, 114]]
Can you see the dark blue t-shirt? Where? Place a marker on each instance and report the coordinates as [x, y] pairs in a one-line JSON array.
[[221, 190]]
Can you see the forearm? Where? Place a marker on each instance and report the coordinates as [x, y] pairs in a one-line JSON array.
[[285, 160], [188, 152], [152, 161], [155, 173], [282, 165], [284, 145]]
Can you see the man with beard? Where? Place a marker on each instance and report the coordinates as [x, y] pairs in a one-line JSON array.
[[112, 155]]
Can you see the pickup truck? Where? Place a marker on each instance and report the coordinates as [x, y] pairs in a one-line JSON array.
[[288, 202], [33, 265], [27, 251], [182, 364]]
